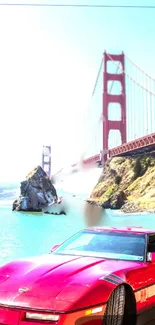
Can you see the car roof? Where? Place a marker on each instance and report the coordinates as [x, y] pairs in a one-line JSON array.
[[135, 230]]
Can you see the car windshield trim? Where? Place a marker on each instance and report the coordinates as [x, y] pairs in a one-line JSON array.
[[100, 257], [109, 248], [110, 256]]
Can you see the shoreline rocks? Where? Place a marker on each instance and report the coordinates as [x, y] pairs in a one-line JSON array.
[[131, 207], [57, 208], [128, 184], [116, 201]]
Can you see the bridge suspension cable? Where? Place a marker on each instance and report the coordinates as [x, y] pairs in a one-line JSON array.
[[87, 115], [140, 90], [140, 100], [95, 6]]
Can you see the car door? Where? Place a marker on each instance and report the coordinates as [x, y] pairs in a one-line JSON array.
[[150, 273], [137, 280]]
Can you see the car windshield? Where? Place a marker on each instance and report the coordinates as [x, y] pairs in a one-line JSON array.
[[110, 245]]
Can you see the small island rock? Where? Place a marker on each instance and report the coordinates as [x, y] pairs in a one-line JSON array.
[[36, 191]]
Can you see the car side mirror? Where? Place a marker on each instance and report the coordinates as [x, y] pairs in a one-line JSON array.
[[54, 247], [150, 257]]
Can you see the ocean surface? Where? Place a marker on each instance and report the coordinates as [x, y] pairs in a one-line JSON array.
[[29, 234]]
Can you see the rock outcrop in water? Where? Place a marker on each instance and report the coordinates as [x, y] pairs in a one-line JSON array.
[[127, 184], [36, 192]]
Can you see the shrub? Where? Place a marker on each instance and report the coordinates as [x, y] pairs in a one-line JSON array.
[[137, 168], [118, 179]]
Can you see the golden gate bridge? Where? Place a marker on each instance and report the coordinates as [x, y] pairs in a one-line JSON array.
[[121, 115]]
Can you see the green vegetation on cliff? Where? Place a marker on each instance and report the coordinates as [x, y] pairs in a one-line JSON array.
[[127, 183]]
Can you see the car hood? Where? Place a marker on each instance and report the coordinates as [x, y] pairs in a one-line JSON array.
[[55, 282]]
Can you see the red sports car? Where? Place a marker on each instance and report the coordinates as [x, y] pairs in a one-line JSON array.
[[98, 276]]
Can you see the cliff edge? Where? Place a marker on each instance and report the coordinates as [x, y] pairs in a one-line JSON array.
[[127, 184]]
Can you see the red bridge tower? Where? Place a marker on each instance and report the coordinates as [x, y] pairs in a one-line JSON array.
[[110, 98]]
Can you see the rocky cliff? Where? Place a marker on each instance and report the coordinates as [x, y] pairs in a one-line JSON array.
[[127, 184], [36, 191]]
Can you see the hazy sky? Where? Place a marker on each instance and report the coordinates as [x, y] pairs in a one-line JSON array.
[[49, 58]]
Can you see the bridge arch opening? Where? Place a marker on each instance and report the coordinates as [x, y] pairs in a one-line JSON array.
[[114, 87], [114, 112], [114, 66], [114, 139]]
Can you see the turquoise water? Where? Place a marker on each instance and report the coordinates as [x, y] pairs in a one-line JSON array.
[[29, 234]]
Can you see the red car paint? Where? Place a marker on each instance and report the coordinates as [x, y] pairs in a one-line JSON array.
[[71, 287]]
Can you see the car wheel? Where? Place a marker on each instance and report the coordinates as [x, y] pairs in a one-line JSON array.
[[114, 312]]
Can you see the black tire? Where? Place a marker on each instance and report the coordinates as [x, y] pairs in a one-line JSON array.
[[114, 313]]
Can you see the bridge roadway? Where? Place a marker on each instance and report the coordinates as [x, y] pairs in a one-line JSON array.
[[138, 146]]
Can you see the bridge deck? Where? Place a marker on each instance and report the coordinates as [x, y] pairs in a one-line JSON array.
[[140, 145]]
